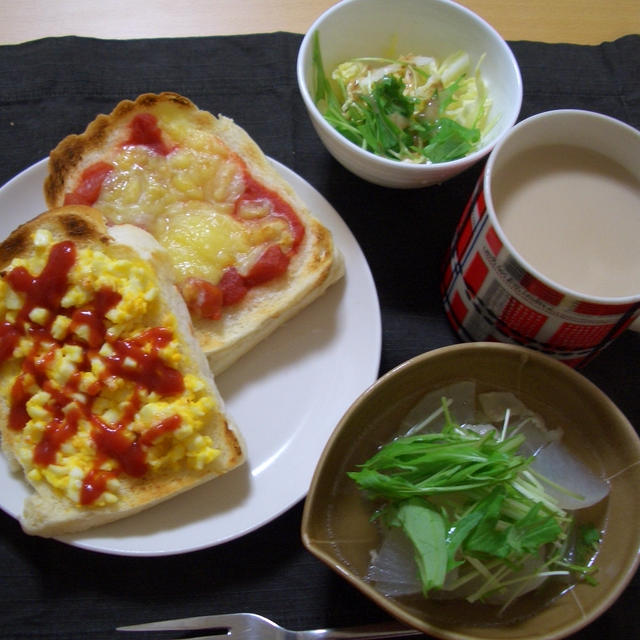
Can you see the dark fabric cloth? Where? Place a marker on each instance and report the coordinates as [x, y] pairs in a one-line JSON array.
[[52, 87]]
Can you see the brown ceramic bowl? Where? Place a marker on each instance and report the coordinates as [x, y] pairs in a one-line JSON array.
[[336, 523]]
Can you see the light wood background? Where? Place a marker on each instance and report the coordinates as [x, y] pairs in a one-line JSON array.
[[577, 21]]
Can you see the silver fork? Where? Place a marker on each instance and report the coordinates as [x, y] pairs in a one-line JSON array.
[[250, 626]]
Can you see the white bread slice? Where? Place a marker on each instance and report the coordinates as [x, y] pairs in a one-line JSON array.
[[313, 267], [133, 259]]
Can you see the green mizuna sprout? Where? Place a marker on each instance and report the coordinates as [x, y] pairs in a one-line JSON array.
[[476, 514]]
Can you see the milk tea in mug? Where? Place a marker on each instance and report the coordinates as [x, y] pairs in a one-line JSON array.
[[547, 251]]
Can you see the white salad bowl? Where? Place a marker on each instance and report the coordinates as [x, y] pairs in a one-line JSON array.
[[436, 28], [337, 525]]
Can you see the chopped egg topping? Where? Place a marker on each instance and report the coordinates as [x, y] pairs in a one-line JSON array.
[[94, 392], [175, 179]]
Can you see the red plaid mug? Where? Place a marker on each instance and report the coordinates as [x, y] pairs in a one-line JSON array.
[[491, 291]]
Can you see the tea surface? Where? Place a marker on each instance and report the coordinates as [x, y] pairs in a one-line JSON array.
[[574, 216]]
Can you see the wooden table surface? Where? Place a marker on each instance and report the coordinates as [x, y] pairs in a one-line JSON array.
[[576, 21]]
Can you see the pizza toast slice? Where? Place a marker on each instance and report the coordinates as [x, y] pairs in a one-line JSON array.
[[246, 251], [108, 404]]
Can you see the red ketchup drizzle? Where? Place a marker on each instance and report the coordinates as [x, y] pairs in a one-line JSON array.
[[114, 442], [47, 289], [166, 426], [111, 441], [95, 484], [18, 416], [92, 316], [149, 372], [9, 337], [56, 433]]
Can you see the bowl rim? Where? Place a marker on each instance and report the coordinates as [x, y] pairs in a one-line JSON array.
[[388, 163], [575, 377]]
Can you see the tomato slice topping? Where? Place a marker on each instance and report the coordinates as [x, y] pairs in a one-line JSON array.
[[233, 286], [203, 298], [256, 191], [271, 264], [146, 132], [90, 184]]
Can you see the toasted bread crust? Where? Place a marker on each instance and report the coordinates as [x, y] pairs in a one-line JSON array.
[[316, 265], [48, 512], [78, 223]]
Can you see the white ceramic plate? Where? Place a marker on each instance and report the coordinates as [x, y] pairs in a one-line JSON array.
[[286, 395]]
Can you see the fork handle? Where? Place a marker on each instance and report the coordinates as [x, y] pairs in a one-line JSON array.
[[365, 632]]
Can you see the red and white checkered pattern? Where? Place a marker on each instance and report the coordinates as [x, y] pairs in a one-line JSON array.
[[489, 295]]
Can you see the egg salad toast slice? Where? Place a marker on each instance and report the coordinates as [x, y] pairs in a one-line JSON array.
[[108, 404], [247, 253]]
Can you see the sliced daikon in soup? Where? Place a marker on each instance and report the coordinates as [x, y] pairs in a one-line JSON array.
[[428, 415], [566, 479], [393, 567]]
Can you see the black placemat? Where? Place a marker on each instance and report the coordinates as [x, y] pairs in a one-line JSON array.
[[52, 87]]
